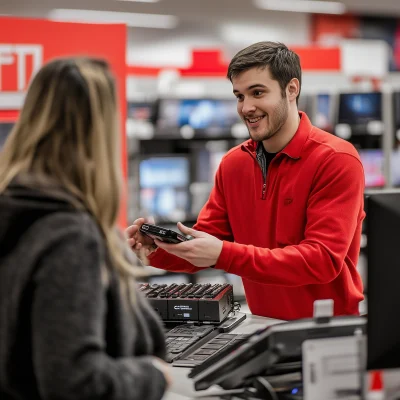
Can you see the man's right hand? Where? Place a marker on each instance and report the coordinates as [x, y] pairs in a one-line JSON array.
[[141, 244]]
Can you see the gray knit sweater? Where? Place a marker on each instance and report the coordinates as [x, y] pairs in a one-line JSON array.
[[64, 333]]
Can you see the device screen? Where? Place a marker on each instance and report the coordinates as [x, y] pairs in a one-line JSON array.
[[162, 234]]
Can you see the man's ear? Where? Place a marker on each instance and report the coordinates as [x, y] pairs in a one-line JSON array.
[[293, 89]]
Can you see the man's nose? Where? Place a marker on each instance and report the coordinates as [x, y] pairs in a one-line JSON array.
[[248, 107]]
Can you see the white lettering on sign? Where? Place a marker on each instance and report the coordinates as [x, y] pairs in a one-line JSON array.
[[17, 54]]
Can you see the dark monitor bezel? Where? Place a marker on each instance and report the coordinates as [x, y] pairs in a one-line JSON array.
[[383, 276]]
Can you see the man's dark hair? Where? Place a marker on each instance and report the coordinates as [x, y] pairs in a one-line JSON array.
[[283, 64]]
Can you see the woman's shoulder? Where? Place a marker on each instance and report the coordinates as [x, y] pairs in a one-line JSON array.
[[79, 223], [65, 230]]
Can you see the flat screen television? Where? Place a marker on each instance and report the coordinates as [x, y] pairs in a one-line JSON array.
[[5, 129], [164, 186], [205, 117], [359, 108], [372, 160]]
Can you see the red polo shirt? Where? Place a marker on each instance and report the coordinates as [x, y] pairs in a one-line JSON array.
[[298, 240]]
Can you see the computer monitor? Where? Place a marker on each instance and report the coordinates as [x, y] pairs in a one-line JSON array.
[[206, 117], [396, 119], [164, 182], [360, 108], [383, 263], [323, 114], [167, 118], [215, 160], [372, 160], [5, 129], [141, 111], [395, 167], [306, 104]]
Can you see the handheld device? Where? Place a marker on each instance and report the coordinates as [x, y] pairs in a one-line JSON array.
[[163, 234]]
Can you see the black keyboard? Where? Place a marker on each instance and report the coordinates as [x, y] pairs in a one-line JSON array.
[[210, 351], [184, 337]]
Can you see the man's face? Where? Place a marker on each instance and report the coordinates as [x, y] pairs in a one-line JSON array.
[[260, 103]]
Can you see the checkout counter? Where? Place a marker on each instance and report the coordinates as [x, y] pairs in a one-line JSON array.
[[182, 387]]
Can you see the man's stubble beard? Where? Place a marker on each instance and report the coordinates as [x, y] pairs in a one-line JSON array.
[[280, 115]]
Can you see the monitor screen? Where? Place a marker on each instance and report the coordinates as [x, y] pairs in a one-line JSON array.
[[306, 105], [372, 160], [207, 156], [164, 184], [140, 111], [5, 129], [215, 160], [168, 113], [360, 108], [164, 172], [205, 116], [383, 330], [323, 112], [396, 118], [395, 168]]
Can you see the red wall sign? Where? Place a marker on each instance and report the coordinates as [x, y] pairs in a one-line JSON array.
[[25, 44], [211, 62]]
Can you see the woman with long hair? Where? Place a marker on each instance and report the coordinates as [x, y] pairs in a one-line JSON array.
[[72, 325]]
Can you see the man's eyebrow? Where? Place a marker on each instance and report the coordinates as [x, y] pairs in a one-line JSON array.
[[252, 87]]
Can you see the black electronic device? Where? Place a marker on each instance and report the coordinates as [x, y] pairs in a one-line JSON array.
[[274, 349], [184, 337], [188, 302], [383, 275], [163, 234]]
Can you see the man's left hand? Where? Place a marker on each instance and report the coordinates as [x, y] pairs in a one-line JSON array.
[[202, 251]]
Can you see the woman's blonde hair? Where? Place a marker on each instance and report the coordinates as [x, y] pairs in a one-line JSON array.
[[68, 132]]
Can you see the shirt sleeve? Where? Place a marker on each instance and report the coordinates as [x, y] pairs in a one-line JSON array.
[[334, 210], [68, 317]]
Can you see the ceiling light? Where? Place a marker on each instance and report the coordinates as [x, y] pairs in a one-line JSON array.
[[305, 6], [130, 19]]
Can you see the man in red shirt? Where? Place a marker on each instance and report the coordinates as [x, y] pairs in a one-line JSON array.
[[286, 209]]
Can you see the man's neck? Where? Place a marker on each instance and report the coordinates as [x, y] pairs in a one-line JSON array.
[[285, 134]]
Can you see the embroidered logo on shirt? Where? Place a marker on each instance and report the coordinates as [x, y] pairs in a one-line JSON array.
[[288, 201]]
